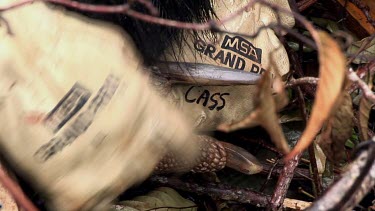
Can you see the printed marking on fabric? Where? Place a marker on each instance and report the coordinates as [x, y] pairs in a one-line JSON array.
[[81, 123]]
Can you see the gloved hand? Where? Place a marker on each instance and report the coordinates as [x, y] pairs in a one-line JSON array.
[[79, 122], [210, 106]]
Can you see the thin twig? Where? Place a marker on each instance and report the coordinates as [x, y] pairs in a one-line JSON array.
[[216, 191], [317, 181], [150, 7], [364, 46], [210, 24], [297, 16], [16, 192], [296, 61], [353, 185], [301, 190], [271, 170], [283, 183], [16, 5], [367, 92], [174, 208], [304, 4], [123, 8], [260, 142], [369, 68], [275, 170], [362, 72]]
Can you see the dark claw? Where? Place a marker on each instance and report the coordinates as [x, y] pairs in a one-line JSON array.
[[241, 160]]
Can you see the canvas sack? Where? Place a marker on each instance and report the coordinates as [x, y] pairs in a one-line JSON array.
[[78, 120]]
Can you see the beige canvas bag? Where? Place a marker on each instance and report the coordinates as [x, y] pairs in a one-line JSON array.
[[77, 118], [209, 106]]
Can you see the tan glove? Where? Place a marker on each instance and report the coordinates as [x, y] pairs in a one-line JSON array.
[[78, 121], [210, 106]]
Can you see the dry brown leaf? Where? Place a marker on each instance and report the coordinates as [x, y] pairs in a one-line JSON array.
[[265, 113], [364, 112], [332, 75], [338, 130], [363, 115], [320, 158]]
